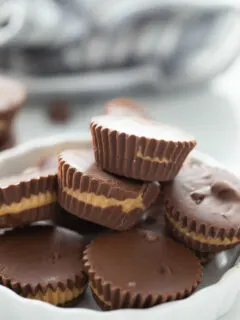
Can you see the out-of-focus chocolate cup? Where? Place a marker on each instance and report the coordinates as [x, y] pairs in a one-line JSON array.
[[29, 196], [8, 142], [13, 95], [139, 148]]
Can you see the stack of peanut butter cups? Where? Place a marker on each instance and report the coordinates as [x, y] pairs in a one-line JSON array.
[[142, 216]]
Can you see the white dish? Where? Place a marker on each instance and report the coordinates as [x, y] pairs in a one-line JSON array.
[[218, 301]]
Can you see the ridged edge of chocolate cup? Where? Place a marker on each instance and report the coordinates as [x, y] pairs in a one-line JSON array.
[[116, 153], [121, 299], [26, 290], [43, 213], [14, 193], [112, 217], [201, 229]]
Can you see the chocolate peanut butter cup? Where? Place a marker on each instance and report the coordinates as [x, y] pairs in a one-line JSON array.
[[124, 107], [139, 148], [12, 96], [202, 208], [8, 141], [43, 263], [139, 269], [29, 196], [94, 195]]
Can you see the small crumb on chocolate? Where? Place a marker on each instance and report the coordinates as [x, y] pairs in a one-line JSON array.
[[151, 237], [165, 270], [132, 284], [199, 195]]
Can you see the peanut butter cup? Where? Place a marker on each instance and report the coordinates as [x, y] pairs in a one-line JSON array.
[[202, 208], [139, 148], [30, 195], [139, 269], [12, 96], [94, 195], [43, 263], [7, 141]]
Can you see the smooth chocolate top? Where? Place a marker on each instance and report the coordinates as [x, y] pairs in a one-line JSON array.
[[211, 196], [83, 162], [143, 262], [41, 254], [142, 127], [124, 107], [47, 166], [12, 93]]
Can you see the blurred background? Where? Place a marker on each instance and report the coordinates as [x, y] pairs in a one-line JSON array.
[[181, 59]]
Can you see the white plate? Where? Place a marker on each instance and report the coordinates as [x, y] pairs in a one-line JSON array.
[[218, 301]]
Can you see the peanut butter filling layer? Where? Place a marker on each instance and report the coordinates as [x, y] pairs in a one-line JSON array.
[[34, 201], [58, 296], [104, 202], [200, 237], [154, 159]]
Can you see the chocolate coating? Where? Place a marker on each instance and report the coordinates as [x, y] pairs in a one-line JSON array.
[[83, 162], [39, 181], [140, 262], [41, 256], [208, 196], [139, 148], [79, 174], [142, 128]]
